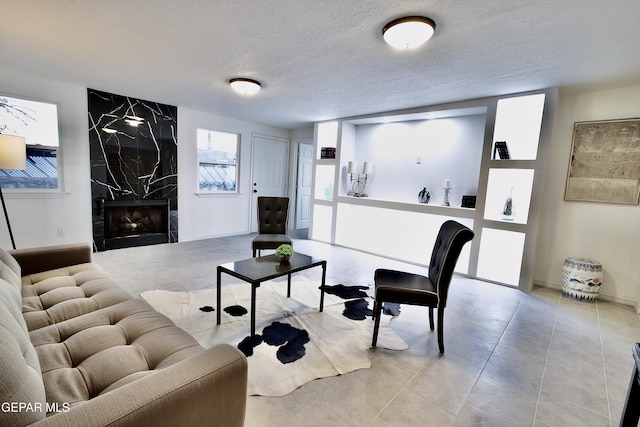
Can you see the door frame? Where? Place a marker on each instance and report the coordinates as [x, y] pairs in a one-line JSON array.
[[287, 187], [293, 193]]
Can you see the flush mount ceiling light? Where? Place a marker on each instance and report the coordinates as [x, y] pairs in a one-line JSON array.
[[408, 32], [245, 86]]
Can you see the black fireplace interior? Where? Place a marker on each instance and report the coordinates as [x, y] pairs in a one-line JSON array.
[[142, 223]]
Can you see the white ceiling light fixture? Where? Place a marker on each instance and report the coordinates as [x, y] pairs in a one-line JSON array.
[[408, 32], [245, 86]]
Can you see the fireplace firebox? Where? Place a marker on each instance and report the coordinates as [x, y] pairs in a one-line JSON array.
[[130, 223]]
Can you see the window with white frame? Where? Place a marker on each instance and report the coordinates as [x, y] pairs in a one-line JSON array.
[[218, 154], [37, 122]]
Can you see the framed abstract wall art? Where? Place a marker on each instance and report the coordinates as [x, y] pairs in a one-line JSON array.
[[605, 162]]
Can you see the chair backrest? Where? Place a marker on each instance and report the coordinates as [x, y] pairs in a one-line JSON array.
[[451, 238], [272, 215]]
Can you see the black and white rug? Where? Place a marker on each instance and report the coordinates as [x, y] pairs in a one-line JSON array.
[[297, 343]]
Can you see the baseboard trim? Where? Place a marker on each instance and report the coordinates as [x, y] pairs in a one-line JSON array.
[[214, 236], [611, 298]]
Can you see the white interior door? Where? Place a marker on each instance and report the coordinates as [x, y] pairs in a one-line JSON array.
[[270, 166], [303, 185]]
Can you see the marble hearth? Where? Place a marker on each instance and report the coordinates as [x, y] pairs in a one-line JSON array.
[[134, 179]]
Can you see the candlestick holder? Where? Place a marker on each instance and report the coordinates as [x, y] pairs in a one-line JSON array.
[[445, 202], [358, 184], [359, 180]]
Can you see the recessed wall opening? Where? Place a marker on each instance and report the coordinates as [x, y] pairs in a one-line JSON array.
[[136, 223]]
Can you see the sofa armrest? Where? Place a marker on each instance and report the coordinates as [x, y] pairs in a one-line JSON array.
[[207, 389], [37, 260]]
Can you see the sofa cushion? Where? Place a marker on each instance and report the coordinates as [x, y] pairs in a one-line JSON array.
[[83, 356], [61, 294], [20, 375], [91, 335]]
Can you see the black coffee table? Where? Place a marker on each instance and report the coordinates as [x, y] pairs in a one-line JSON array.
[[258, 270]]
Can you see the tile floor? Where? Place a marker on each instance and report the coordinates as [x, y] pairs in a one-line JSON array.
[[512, 359]]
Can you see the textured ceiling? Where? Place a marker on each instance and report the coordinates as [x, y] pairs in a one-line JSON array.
[[319, 60]]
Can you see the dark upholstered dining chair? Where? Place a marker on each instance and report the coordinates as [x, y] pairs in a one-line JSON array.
[[272, 224], [414, 289]]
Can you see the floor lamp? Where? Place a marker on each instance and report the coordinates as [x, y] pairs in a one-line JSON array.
[[13, 155]]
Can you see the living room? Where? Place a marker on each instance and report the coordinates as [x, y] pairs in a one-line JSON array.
[[606, 232]]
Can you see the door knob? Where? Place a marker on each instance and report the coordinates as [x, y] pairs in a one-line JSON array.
[[255, 191]]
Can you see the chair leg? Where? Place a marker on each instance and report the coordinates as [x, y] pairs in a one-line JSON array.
[[431, 318], [377, 309], [254, 253], [441, 329]]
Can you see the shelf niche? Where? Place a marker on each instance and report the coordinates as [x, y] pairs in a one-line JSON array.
[[411, 152], [517, 127]]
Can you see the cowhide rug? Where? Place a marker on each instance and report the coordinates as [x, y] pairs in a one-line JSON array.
[[296, 343]]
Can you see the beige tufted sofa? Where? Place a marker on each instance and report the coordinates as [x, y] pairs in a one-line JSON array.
[[78, 350]]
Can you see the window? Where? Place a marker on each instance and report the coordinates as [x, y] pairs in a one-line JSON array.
[[37, 122], [217, 161]]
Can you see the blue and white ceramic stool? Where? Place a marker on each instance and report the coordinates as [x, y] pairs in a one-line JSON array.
[[581, 279]]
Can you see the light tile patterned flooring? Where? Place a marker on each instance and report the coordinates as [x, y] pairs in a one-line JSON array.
[[511, 358]]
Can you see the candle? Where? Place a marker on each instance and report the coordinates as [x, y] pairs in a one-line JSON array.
[[367, 169], [352, 167], [447, 183]]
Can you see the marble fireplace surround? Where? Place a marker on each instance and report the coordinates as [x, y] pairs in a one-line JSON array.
[[134, 179]]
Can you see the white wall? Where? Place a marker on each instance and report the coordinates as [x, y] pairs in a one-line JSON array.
[[302, 134], [604, 232], [201, 217], [36, 218], [448, 148]]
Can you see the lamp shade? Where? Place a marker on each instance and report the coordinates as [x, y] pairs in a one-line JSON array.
[[13, 152], [367, 169], [353, 166], [408, 32], [245, 86]]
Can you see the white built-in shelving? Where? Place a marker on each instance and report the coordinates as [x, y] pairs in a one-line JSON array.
[[423, 147]]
